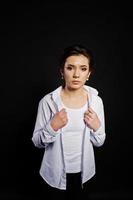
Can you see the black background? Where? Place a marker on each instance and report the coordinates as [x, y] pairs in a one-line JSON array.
[[33, 36]]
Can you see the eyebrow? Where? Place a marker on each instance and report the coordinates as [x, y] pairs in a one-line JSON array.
[[71, 65]]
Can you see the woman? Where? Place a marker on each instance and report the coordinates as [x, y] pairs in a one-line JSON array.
[[69, 122]]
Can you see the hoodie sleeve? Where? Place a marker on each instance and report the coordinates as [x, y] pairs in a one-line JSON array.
[[43, 133], [98, 137]]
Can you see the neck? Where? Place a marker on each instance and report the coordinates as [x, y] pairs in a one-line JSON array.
[[73, 93]]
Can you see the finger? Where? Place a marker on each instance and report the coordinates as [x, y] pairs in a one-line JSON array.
[[89, 115], [91, 110], [87, 112], [64, 119], [63, 111], [87, 120]]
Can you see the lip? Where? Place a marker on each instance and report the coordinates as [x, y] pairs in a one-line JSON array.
[[75, 82]]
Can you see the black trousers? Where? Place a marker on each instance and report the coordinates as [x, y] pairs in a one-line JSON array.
[[73, 187], [73, 190]]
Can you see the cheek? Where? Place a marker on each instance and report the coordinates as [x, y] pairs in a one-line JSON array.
[[85, 76], [67, 75]]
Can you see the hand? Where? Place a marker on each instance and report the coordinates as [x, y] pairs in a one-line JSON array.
[[91, 119], [59, 120]]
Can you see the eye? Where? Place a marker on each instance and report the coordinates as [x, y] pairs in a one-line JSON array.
[[84, 69], [69, 68]]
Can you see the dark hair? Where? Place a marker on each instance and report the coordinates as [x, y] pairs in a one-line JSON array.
[[77, 49]]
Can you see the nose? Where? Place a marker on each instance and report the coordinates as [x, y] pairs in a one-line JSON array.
[[76, 74]]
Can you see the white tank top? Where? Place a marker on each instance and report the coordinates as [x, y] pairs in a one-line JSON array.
[[72, 138]]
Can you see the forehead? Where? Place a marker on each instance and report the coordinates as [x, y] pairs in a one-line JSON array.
[[77, 60]]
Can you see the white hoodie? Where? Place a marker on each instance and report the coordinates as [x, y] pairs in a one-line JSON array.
[[53, 165]]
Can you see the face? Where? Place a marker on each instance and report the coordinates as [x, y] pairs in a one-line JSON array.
[[76, 71]]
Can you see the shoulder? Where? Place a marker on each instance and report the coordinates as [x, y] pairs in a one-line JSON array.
[[94, 95], [49, 100], [45, 98], [50, 95], [97, 99]]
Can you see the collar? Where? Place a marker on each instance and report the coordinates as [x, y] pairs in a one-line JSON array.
[[91, 91]]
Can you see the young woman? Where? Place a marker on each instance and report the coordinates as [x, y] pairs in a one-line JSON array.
[[69, 122]]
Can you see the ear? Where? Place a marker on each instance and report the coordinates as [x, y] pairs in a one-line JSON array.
[[89, 74], [61, 71]]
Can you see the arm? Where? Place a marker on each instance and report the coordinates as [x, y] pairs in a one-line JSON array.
[[43, 132], [95, 121], [98, 137]]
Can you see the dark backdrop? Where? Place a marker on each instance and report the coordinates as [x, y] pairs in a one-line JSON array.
[[32, 37]]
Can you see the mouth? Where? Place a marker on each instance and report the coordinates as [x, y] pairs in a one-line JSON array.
[[75, 82]]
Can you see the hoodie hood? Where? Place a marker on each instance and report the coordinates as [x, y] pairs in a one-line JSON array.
[[91, 91]]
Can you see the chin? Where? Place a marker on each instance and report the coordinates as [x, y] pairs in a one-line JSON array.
[[75, 87]]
